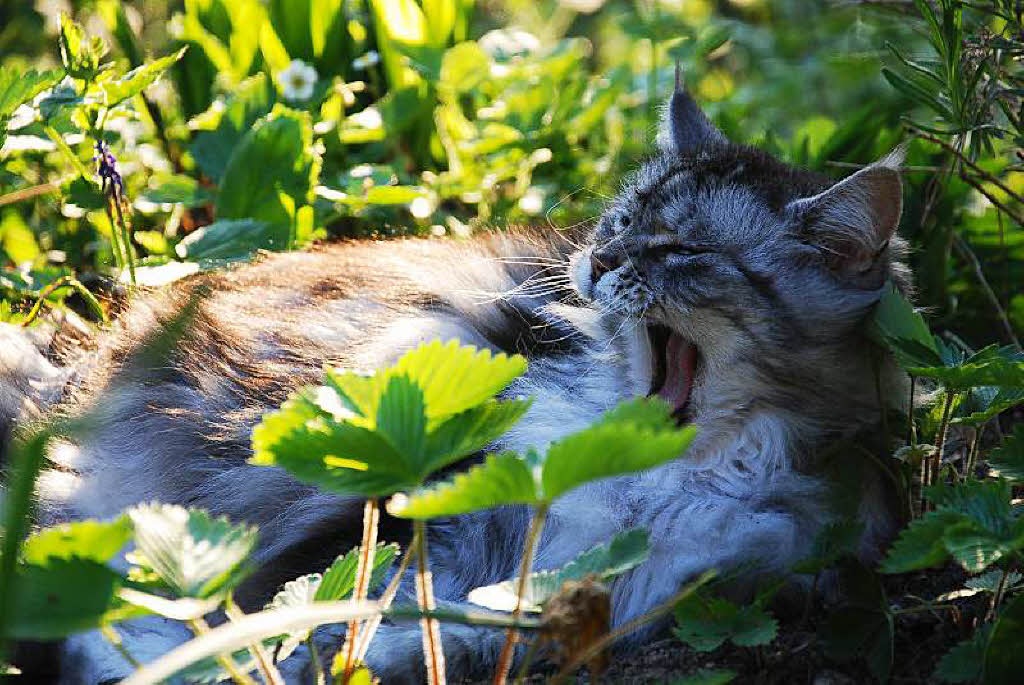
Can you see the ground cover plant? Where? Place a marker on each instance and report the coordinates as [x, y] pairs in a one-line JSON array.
[[132, 135]]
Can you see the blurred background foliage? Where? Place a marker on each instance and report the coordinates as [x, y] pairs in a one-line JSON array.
[[288, 121]]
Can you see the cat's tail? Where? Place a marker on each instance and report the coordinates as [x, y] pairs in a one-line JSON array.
[[29, 381]]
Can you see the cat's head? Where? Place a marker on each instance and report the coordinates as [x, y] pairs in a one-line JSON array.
[[752, 279]]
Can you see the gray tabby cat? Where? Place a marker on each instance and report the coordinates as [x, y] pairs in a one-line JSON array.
[[732, 285]]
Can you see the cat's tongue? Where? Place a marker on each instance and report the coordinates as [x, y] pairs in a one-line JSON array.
[[680, 365]]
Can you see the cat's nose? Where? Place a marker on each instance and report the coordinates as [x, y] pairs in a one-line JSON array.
[[603, 262]]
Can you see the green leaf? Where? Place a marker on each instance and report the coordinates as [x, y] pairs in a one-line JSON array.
[[645, 438], [986, 503], [138, 79], [90, 540], [987, 402], [501, 479], [176, 189], [471, 431], [1004, 659], [231, 239], [1008, 460], [401, 417], [705, 623], [195, 554], [18, 87], [340, 577], [965, 661], [920, 544], [974, 548], [989, 582], [61, 597], [337, 456], [1001, 367], [278, 147], [80, 54], [463, 68], [250, 100], [625, 551], [904, 330]]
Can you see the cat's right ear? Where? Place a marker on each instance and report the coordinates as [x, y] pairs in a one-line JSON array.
[[684, 127]]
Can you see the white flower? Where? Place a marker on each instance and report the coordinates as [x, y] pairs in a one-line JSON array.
[[421, 207], [532, 201], [366, 61], [297, 81], [506, 43]]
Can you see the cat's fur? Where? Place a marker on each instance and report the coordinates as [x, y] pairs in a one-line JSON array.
[[769, 271]]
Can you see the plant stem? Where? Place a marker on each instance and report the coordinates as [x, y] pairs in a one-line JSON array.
[[126, 237], [115, 241], [433, 653], [947, 409], [367, 549], [966, 251], [114, 638], [266, 666], [482, 618], [626, 628], [524, 669], [28, 193], [370, 628], [972, 456], [997, 596], [65, 282], [529, 547], [199, 627], [314, 658], [910, 413]]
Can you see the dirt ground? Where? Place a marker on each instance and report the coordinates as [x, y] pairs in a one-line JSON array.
[[796, 655]]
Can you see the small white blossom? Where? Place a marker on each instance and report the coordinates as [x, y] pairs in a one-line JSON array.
[[421, 208], [366, 61], [532, 201], [509, 42], [297, 81], [369, 118]]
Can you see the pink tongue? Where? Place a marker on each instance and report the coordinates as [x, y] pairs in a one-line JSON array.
[[680, 360]]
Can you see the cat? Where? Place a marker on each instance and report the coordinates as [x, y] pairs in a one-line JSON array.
[[732, 285]]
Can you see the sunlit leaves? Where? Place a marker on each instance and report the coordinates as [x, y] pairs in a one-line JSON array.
[[18, 86], [388, 431], [195, 554], [904, 331], [964, 663], [80, 54], [637, 435], [92, 540], [624, 552], [62, 596], [116, 91]]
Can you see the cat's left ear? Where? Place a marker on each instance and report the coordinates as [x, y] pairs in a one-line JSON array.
[[684, 127], [852, 222]]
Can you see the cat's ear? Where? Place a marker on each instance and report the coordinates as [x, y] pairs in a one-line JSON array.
[[852, 222], [684, 127]]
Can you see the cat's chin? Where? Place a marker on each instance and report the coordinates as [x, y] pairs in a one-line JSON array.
[[674, 362]]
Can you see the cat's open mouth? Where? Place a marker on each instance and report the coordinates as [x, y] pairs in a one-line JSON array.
[[673, 367]]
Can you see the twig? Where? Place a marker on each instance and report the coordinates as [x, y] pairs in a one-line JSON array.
[[625, 629], [371, 517], [385, 601], [966, 251], [965, 161], [28, 193], [433, 652], [530, 544]]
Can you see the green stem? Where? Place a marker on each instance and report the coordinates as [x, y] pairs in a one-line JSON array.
[[65, 282], [529, 546], [115, 639], [947, 410], [531, 653], [115, 241], [126, 237], [264, 662], [58, 140], [314, 658], [910, 413], [433, 653]]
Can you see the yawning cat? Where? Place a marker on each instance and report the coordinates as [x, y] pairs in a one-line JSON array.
[[732, 285]]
